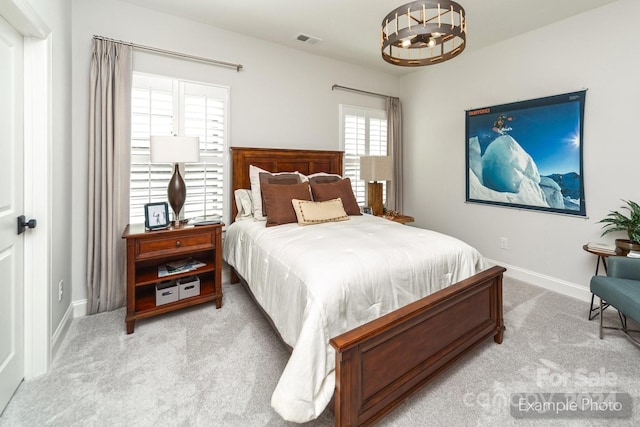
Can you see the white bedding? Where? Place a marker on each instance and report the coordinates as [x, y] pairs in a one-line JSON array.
[[318, 281]]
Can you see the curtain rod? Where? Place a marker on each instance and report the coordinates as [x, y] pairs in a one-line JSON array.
[[334, 87], [238, 67]]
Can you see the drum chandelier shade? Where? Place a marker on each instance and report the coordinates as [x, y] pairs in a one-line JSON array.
[[423, 33]]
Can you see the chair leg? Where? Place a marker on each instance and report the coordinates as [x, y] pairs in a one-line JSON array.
[[601, 316], [623, 320]]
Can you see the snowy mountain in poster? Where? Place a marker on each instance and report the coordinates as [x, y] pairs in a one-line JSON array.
[[506, 173]]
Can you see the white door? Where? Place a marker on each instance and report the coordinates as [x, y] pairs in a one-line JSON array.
[[11, 205]]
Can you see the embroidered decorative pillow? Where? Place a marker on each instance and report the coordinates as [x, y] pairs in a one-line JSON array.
[[309, 212]]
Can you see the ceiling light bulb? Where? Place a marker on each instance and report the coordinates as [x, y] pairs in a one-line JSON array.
[[406, 42], [431, 43]]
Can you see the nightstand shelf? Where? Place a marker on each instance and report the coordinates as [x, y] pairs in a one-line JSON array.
[[149, 274], [147, 250], [146, 300]]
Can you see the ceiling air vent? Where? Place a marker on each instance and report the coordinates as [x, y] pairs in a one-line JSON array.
[[305, 38]]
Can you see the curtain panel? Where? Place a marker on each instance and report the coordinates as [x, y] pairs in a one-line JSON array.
[[394, 147], [109, 159]]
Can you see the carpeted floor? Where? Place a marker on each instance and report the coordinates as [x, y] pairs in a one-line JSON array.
[[208, 367]]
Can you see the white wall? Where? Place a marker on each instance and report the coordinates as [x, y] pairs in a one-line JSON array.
[[281, 98], [596, 51]]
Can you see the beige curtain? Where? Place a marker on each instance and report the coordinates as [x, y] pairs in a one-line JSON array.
[[109, 142], [394, 146]]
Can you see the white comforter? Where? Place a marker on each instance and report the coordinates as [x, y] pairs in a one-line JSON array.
[[319, 281]]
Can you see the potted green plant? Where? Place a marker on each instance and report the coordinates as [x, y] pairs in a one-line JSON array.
[[618, 221]]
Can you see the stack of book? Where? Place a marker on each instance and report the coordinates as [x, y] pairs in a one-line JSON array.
[[634, 254], [205, 220], [602, 247], [181, 266]]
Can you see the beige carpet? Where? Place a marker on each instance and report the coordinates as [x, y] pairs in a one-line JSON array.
[[208, 367]]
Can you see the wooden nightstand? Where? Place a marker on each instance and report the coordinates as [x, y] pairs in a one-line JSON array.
[[147, 250], [402, 219]]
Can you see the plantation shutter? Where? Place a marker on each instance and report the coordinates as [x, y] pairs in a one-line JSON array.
[[364, 133], [354, 147], [203, 116], [151, 114], [166, 106]]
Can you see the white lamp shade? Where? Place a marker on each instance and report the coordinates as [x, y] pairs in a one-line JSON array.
[[376, 168], [175, 149]]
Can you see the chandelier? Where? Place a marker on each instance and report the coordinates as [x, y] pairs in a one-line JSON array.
[[423, 33]]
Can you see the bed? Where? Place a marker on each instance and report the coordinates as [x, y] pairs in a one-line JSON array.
[[395, 344]]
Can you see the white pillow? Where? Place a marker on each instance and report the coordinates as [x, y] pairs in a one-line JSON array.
[[309, 212], [256, 194], [243, 203]]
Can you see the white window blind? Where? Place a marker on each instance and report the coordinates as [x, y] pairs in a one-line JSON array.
[[167, 106], [363, 133]]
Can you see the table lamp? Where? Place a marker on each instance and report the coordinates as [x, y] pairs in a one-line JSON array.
[[175, 149], [375, 168]]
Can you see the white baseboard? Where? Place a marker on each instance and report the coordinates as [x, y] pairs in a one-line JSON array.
[[61, 331], [79, 308], [547, 282]]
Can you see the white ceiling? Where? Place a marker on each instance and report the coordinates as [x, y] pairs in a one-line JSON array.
[[350, 29]]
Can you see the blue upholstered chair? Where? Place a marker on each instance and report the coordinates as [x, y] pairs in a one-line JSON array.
[[620, 288]]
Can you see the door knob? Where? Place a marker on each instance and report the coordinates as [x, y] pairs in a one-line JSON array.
[[22, 224]]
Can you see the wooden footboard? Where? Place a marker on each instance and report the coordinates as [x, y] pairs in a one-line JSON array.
[[383, 362]]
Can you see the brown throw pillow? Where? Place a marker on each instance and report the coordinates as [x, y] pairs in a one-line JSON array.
[[323, 178], [339, 189], [282, 178], [277, 198]]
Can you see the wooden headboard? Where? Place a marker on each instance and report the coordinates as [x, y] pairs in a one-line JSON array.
[[279, 160]]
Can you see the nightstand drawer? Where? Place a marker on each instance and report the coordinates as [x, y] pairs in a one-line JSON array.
[[149, 248]]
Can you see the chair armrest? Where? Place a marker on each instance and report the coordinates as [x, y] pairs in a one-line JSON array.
[[624, 267]]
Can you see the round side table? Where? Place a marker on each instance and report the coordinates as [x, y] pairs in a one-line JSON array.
[[602, 258]]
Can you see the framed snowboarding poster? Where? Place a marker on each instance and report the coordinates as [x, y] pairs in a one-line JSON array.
[[527, 154]]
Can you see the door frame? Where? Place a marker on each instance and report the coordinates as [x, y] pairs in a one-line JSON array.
[[37, 170], [38, 136]]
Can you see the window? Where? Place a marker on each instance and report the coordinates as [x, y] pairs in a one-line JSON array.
[[167, 106], [363, 132]]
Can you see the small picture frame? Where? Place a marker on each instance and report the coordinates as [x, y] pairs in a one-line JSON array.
[[367, 210], [156, 215]]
